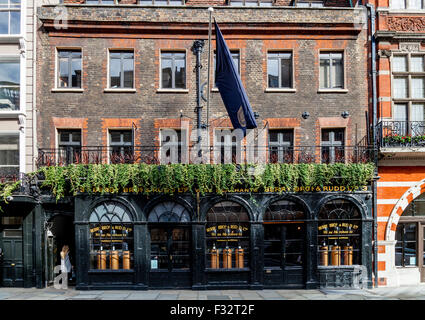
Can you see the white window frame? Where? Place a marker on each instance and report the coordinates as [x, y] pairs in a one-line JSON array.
[[283, 89], [22, 87], [409, 100], [406, 6], [108, 80], [160, 88], [57, 70], [111, 145], [21, 150], [21, 22], [344, 76]]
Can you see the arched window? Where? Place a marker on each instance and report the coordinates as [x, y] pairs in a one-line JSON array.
[[111, 237], [339, 233], [284, 234], [227, 236], [170, 236], [169, 211]]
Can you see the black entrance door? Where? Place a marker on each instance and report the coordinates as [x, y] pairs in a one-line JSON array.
[[11, 265], [170, 257], [284, 254]]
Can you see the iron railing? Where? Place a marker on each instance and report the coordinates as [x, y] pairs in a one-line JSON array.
[[194, 154], [393, 134]]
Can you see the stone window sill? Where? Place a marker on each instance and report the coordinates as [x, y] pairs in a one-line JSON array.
[[172, 91], [67, 90], [119, 90], [332, 91], [280, 90]]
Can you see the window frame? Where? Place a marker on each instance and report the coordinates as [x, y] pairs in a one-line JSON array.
[[243, 3], [282, 148], [18, 135], [112, 145], [141, 3], [57, 68], [409, 100], [121, 88], [173, 88], [283, 89], [330, 52], [69, 145], [343, 145], [10, 9], [406, 5], [19, 60]]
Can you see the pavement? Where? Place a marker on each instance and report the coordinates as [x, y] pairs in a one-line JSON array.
[[380, 293]]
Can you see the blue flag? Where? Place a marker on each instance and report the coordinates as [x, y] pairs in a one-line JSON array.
[[230, 86]]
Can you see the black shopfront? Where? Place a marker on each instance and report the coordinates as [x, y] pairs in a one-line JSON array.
[[238, 240]]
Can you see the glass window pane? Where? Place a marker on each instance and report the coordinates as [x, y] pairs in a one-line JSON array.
[[115, 73], [115, 136], [400, 112], [338, 73], [180, 73], [273, 73], [417, 113], [235, 57], [417, 64], [76, 73], [166, 77], [324, 73], [9, 150], [127, 136], [286, 73], [4, 22], [418, 88], [10, 98], [400, 87], [10, 73], [128, 72], [398, 4], [414, 4], [400, 63], [63, 73], [15, 22]]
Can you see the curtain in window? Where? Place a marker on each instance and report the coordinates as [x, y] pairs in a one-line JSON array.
[[418, 88], [398, 4], [399, 64], [417, 64], [400, 87]]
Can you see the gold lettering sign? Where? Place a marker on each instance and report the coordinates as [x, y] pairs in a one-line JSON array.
[[236, 190], [226, 230], [338, 228]]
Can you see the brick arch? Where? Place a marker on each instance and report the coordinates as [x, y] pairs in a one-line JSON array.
[[400, 206]]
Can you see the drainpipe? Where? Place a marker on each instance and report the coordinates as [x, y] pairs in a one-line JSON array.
[[371, 11], [198, 45]]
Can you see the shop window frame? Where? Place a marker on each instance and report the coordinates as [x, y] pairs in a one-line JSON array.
[[95, 224], [215, 260], [327, 244]]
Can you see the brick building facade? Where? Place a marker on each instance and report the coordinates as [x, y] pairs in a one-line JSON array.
[[114, 76], [400, 113]]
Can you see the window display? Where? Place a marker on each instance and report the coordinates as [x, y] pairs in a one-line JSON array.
[[227, 236], [111, 237], [339, 233]]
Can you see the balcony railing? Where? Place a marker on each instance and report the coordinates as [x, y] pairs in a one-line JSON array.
[[396, 134], [212, 155]]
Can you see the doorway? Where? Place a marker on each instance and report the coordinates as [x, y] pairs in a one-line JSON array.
[[284, 253], [170, 256], [62, 232], [11, 262]]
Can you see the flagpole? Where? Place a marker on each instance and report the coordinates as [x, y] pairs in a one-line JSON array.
[[210, 10]]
